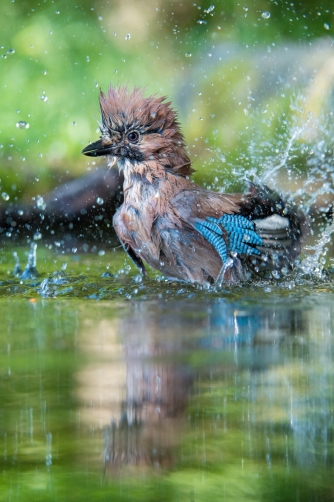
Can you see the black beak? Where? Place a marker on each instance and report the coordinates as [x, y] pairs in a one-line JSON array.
[[96, 149]]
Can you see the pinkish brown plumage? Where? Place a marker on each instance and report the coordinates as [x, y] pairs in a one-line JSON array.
[[177, 227]]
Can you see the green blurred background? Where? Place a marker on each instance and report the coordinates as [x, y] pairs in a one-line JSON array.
[[243, 75], [253, 83]]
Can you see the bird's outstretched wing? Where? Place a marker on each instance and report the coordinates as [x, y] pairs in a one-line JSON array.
[[259, 226]]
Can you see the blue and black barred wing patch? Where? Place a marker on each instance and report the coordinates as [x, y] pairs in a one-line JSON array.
[[212, 232], [239, 232]]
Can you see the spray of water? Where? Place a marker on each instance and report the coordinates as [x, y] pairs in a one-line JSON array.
[[305, 172]]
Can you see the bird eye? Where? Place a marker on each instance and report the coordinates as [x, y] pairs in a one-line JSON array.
[[133, 137]]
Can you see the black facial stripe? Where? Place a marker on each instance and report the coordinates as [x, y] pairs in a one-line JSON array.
[[137, 155], [131, 154]]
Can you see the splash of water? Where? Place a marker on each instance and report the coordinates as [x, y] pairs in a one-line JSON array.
[[297, 133], [30, 272], [305, 171], [314, 261]]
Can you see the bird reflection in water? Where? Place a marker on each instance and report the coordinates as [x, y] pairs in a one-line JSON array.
[[160, 342]]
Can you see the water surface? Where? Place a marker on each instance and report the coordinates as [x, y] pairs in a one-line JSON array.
[[112, 389]]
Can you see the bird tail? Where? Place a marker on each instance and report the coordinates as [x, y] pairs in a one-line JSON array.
[[281, 226]]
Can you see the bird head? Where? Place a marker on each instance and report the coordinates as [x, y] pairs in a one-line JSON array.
[[136, 130]]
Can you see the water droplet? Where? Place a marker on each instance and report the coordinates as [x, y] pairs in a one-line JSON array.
[[57, 11], [222, 158], [37, 236], [10, 52], [22, 124], [4, 56], [128, 36], [87, 59], [326, 26], [101, 253], [188, 54], [44, 72], [44, 98], [209, 9], [265, 14], [5, 196], [201, 21], [100, 201], [245, 9], [40, 202]]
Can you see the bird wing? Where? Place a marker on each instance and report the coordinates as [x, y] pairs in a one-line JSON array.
[[257, 224], [280, 224]]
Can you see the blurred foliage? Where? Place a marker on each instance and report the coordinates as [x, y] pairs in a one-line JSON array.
[[57, 54]]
